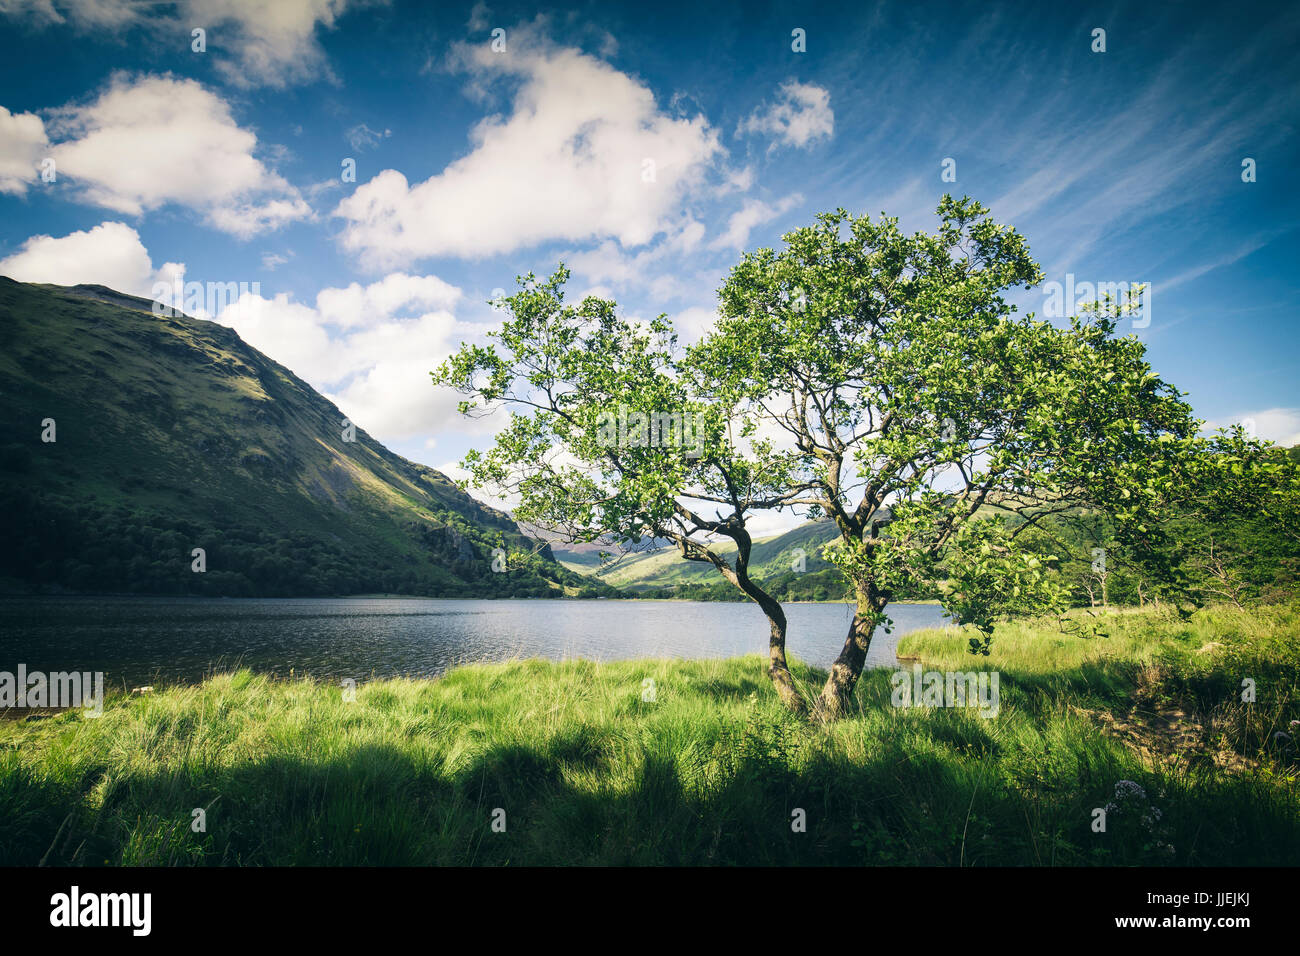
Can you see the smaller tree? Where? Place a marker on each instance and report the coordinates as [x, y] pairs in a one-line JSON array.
[[608, 441], [1238, 524], [1227, 528], [1237, 474]]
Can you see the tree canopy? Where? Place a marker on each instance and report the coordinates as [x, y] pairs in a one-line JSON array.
[[920, 408], [873, 377], [607, 440]]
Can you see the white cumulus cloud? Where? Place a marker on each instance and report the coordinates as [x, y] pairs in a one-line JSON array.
[[253, 42], [801, 115], [110, 254], [274, 44], [149, 141], [585, 153], [22, 143], [1281, 425], [369, 348], [361, 305]]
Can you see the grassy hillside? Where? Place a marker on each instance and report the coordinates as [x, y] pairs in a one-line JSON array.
[[1238, 557], [173, 434], [664, 567], [789, 566], [1146, 720]]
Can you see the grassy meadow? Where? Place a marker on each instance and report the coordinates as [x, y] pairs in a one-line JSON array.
[[711, 771]]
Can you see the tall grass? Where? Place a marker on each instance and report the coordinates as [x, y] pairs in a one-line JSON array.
[[709, 771]]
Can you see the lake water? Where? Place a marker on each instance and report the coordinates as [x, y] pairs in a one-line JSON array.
[[141, 640]]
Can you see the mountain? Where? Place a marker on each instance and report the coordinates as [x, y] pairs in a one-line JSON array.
[[584, 556], [171, 434], [796, 552], [790, 567]]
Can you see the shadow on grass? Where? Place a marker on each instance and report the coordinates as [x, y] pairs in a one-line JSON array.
[[580, 797]]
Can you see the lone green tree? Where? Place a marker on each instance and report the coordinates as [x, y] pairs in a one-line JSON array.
[[919, 412]]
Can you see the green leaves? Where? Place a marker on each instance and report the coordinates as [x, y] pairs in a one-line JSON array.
[[923, 411], [876, 378], [611, 435], [991, 574]]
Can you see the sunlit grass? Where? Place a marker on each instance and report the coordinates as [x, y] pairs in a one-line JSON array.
[[594, 764]]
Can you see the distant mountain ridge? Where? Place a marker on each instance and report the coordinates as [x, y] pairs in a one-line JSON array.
[[797, 550], [171, 433]]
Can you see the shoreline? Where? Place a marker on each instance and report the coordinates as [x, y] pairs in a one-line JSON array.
[[402, 597]]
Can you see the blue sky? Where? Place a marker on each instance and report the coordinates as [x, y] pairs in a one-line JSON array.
[[474, 165]]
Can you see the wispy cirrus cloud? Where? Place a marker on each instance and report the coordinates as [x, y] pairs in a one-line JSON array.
[[362, 137], [1236, 254], [751, 214]]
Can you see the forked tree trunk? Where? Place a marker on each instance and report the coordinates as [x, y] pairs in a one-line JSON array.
[[837, 694]]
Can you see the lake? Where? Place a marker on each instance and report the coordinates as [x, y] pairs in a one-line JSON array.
[[136, 640]]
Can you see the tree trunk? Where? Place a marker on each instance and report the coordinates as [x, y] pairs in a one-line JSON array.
[[777, 668], [837, 695]]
